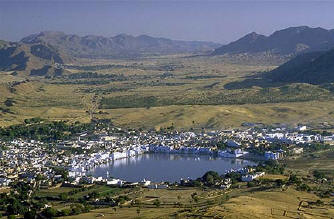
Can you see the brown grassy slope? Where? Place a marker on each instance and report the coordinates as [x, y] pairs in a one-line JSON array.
[[271, 204], [223, 116]]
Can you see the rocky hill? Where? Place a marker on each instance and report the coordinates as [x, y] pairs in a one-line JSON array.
[[287, 42], [118, 46], [35, 59], [312, 68]]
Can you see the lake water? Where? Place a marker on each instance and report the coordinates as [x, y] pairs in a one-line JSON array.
[[159, 167]]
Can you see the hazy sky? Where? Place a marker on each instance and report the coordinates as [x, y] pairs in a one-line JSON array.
[[218, 21]]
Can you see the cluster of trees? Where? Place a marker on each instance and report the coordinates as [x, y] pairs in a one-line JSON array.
[[19, 202], [38, 129], [210, 178], [298, 182], [316, 147], [316, 132], [318, 174], [93, 67], [74, 209], [85, 82], [221, 145], [5, 110], [197, 77], [271, 167], [24, 202], [100, 90], [89, 75], [9, 102]]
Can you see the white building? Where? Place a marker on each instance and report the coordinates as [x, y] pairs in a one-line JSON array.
[[251, 177], [272, 155]]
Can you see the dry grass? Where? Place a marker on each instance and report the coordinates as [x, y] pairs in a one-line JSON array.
[[223, 116], [39, 98], [125, 213], [271, 204], [322, 161]]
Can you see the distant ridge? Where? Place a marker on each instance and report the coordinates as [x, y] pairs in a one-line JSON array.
[[312, 68], [34, 59], [122, 45], [289, 41], [316, 68]]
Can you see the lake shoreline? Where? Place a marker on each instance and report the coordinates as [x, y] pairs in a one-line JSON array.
[[160, 167]]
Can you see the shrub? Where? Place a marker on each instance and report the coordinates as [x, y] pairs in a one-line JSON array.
[[157, 203]]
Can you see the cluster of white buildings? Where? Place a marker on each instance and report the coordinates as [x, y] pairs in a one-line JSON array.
[[82, 163], [180, 150], [25, 160], [237, 153], [273, 135], [29, 158], [269, 155]]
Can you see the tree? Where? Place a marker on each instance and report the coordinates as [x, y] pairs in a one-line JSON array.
[[304, 187], [49, 212], [319, 175], [279, 182], [157, 203], [15, 207], [211, 177], [195, 197], [30, 214], [66, 212], [293, 179], [63, 196]]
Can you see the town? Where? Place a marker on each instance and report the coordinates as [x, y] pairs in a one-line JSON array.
[[69, 161]]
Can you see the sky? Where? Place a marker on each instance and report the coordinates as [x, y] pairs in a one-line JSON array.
[[206, 20]]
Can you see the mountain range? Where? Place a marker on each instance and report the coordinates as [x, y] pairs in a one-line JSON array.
[[120, 46], [39, 54], [309, 51], [288, 42]]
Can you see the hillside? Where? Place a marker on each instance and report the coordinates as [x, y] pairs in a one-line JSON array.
[[289, 41], [312, 68], [118, 46], [33, 59]]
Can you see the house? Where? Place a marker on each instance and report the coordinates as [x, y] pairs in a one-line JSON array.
[[328, 140], [4, 182], [301, 128], [268, 155], [235, 154], [226, 183], [115, 182], [251, 177], [145, 183], [227, 186], [297, 150]]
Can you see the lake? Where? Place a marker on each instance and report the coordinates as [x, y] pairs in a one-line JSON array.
[[159, 167]]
